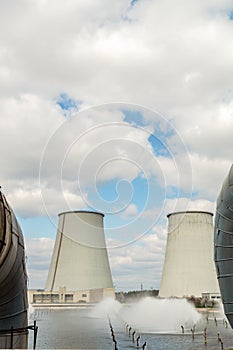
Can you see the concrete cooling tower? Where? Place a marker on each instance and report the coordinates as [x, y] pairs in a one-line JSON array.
[[189, 268], [79, 269]]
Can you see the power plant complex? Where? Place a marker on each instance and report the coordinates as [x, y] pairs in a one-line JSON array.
[[189, 268], [79, 269], [80, 272]]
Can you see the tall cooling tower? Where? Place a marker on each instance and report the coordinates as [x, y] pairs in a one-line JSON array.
[[189, 263], [80, 259]]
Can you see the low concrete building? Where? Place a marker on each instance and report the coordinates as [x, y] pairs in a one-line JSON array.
[[211, 296], [62, 296]]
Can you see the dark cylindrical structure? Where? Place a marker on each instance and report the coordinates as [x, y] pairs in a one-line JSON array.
[[13, 281], [223, 241]]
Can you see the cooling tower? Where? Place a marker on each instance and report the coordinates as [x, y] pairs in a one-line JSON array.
[[80, 259], [189, 263]]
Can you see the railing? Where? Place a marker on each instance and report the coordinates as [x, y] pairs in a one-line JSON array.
[[16, 332]]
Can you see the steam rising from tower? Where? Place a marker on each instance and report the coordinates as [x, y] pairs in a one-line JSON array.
[[189, 264]]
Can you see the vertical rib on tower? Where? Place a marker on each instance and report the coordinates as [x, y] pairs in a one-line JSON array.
[[80, 259], [189, 264]]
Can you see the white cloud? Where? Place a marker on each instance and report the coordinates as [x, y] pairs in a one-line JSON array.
[[39, 253], [174, 57], [140, 262], [208, 175], [131, 210], [95, 53], [185, 204]]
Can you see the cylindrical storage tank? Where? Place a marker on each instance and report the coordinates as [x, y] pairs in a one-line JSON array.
[[189, 263], [13, 281], [80, 259], [223, 238]]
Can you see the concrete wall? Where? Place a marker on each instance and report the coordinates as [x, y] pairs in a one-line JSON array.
[[189, 263]]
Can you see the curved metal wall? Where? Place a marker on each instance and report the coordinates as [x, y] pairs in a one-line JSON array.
[[223, 240], [13, 277], [189, 265]]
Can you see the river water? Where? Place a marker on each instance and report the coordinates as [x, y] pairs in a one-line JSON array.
[[159, 323]]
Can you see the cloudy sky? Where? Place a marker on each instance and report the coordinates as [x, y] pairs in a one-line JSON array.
[[124, 107]]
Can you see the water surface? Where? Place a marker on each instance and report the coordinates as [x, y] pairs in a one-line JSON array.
[[89, 328]]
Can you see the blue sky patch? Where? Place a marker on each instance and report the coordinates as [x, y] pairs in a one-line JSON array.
[[38, 226], [134, 117], [159, 145], [132, 2], [66, 102]]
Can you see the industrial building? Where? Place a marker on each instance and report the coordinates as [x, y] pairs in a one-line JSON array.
[[79, 269], [189, 268]]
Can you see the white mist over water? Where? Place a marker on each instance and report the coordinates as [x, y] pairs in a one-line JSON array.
[[161, 315], [151, 315], [107, 307]]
